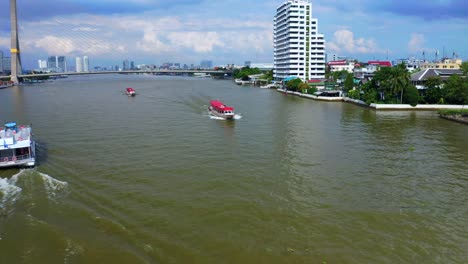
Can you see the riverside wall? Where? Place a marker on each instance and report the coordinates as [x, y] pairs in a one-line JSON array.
[[389, 107]]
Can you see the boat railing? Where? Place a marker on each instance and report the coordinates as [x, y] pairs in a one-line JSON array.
[[15, 158]]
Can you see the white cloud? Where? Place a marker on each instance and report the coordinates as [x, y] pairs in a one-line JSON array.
[[200, 42], [87, 29], [5, 42], [344, 41], [55, 45], [416, 43]]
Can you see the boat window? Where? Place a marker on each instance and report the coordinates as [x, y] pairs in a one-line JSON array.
[[6, 153]]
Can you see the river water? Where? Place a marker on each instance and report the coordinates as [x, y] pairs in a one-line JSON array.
[[155, 179]]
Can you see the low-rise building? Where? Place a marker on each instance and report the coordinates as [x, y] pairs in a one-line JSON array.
[[419, 79], [443, 64], [341, 65]]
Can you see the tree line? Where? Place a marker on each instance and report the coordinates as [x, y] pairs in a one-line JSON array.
[[393, 85]]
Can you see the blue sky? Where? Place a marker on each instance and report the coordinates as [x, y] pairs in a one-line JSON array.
[[228, 31]]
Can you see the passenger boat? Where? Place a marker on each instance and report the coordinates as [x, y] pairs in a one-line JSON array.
[[217, 108], [130, 92], [17, 146]]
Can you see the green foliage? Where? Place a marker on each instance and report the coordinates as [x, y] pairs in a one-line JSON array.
[[293, 84], [354, 94], [245, 72], [464, 68], [370, 93], [268, 75], [311, 90], [456, 90], [411, 96], [433, 91], [303, 87], [349, 82]]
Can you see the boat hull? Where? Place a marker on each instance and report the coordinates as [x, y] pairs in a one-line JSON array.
[[215, 113]]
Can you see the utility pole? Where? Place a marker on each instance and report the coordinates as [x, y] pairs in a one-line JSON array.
[[15, 50]]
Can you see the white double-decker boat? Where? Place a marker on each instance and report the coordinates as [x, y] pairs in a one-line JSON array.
[[17, 146]]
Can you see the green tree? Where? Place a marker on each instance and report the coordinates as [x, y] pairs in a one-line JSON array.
[[349, 82], [433, 91], [354, 94], [268, 75], [245, 72], [464, 68], [370, 93], [303, 87], [293, 84], [456, 90], [411, 95]]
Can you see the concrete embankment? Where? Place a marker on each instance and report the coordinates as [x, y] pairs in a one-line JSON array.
[[456, 118], [389, 107]]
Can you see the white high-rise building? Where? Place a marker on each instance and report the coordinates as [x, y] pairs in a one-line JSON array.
[[299, 50], [42, 64], [78, 64], [85, 64]]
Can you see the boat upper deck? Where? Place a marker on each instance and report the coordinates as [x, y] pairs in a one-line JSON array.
[[12, 136]]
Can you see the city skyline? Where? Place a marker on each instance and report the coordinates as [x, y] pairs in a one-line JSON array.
[[228, 31]]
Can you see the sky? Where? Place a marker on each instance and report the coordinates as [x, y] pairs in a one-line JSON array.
[[228, 31]]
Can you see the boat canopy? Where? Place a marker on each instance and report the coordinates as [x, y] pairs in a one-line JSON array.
[[218, 105], [130, 89]]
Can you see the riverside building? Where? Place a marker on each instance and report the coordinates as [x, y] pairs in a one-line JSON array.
[[299, 50]]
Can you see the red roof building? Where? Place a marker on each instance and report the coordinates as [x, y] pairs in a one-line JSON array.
[[380, 63]]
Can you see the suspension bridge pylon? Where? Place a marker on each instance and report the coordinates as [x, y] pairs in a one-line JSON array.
[[15, 50]]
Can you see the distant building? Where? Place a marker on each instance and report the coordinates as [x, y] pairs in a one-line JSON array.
[[61, 64], [419, 79], [444, 64], [78, 64], [126, 65], [52, 63], [341, 65], [85, 64], [42, 64], [334, 57], [410, 63], [299, 50], [56, 64], [5, 64], [262, 66], [206, 64], [247, 63], [132, 65]]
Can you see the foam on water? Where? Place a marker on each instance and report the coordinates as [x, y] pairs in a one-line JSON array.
[[53, 186], [211, 116], [9, 192]]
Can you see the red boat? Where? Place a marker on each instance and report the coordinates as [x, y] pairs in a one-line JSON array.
[[130, 92], [217, 108]]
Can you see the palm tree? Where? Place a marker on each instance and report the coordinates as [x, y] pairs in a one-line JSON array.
[[399, 81]]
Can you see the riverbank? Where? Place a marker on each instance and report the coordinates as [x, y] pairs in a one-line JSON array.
[[388, 107]]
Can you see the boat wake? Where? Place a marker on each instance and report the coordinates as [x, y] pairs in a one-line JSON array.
[[9, 192], [53, 187], [25, 182], [211, 116]]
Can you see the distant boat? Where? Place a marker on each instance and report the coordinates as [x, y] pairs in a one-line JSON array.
[[217, 108], [17, 146], [130, 92], [6, 84]]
